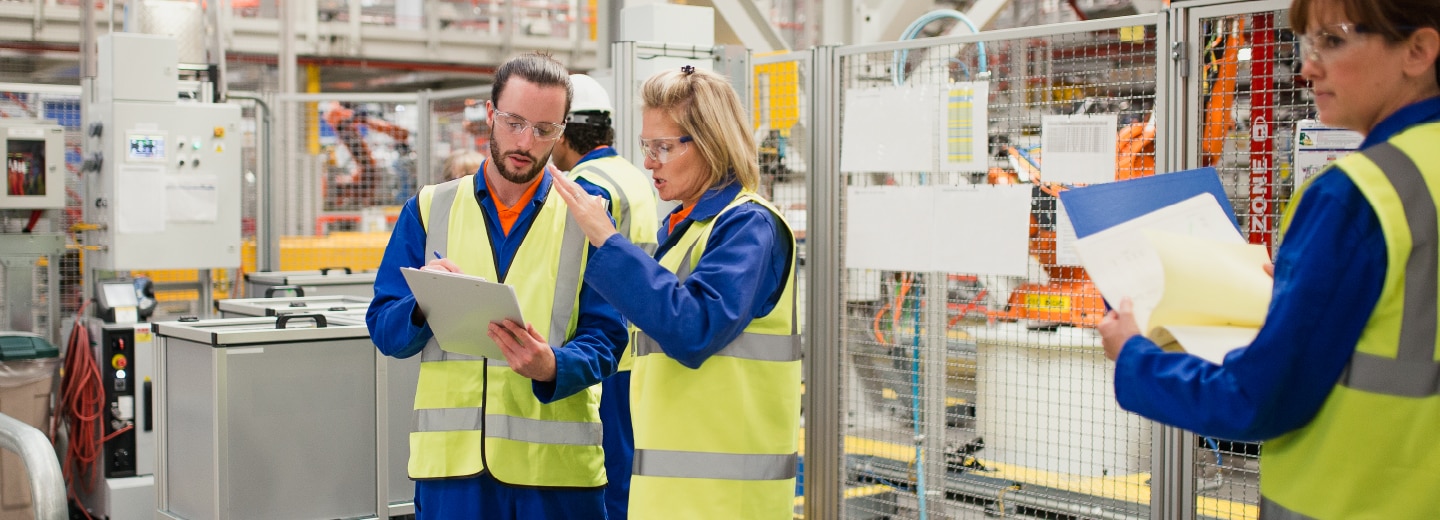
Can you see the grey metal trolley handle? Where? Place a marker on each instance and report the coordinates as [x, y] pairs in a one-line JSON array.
[[47, 486], [270, 292], [285, 318], [326, 270]]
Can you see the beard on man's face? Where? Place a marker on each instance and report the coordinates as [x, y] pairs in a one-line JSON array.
[[503, 166]]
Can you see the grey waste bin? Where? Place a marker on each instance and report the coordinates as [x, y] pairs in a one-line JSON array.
[[323, 282], [266, 419], [28, 364]]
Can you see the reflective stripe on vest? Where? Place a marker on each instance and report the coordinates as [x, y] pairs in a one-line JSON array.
[[1269, 510], [1413, 372], [725, 466], [758, 347]]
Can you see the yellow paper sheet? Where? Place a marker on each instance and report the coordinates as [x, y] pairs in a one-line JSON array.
[[1215, 296], [1209, 282]]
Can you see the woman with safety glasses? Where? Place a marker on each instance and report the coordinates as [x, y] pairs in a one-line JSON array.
[[1343, 380], [716, 380]]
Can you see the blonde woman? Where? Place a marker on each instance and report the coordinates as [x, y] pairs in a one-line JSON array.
[[462, 163], [716, 380]]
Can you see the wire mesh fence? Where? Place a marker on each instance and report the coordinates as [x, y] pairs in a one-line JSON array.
[[350, 167], [1251, 102], [971, 394]]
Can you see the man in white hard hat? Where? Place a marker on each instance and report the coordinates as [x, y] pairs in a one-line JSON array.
[[586, 152]]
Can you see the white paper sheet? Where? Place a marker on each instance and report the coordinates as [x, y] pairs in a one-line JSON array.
[[888, 228], [889, 129], [1064, 237], [1122, 263], [140, 199], [981, 229], [1079, 149], [965, 127], [956, 229], [192, 198]]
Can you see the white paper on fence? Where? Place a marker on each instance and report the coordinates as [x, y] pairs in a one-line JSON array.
[[1078, 149], [981, 229], [889, 129], [1122, 263], [1064, 237], [140, 198], [1317, 145], [964, 127], [888, 228], [192, 198]]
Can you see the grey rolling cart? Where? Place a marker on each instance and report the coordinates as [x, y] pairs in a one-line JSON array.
[[337, 305], [266, 419], [329, 281], [395, 381]]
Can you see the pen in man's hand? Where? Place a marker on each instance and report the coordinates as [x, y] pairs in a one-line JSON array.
[[437, 255]]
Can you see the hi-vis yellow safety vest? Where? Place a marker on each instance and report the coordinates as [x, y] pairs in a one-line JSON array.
[[719, 442], [1373, 450], [632, 204], [474, 415]]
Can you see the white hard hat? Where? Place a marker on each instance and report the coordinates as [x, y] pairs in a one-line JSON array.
[[589, 95]]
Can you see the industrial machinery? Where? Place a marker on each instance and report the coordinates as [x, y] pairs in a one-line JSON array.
[[165, 171], [121, 482], [162, 167], [364, 182], [35, 181]]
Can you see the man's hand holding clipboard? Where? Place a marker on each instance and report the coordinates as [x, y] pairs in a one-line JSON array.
[[472, 316]]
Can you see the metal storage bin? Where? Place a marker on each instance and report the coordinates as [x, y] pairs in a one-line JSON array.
[[395, 386], [266, 419], [336, 305], [324, 282]]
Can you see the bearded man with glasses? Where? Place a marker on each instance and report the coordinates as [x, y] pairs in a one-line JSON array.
[[518, 437]]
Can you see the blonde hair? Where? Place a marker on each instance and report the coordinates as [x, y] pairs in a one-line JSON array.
[[707, 108], [461, 163]]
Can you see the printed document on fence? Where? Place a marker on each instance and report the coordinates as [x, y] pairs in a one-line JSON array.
[[1194, 281]]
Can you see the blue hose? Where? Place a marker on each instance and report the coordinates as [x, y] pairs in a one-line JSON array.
[[1216, 448], [913, 30], [915, 400]]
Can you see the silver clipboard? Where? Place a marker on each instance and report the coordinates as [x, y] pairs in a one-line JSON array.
[[460, 309]]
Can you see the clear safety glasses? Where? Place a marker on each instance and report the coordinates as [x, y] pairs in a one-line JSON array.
[[1331, 41], [518, 125], [665, 149]]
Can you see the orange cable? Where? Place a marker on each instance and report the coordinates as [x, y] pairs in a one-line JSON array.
[[82, 403]]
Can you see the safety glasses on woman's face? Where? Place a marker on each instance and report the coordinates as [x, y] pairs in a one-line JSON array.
[[518, 125], [665, 149], [1332, 41]]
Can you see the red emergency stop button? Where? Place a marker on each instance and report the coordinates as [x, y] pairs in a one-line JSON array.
[[118, 361]]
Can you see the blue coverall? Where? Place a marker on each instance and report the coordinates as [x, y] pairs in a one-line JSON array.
[[398, 330], [1328, 274]]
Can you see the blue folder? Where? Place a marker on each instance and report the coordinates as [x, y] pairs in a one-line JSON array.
[[1096, 208]]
